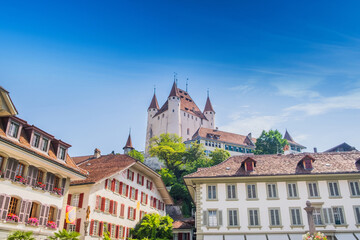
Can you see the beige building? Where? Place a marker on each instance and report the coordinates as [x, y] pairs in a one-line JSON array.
[[118, 193], [35, 176], [262, 196]]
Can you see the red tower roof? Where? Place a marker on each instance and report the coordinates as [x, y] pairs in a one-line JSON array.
[[128, 143], [154, 103], [208, 106]]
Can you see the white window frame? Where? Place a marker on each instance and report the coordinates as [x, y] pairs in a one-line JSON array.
[[14, 128], [75, 198], [276, 221], [339, 212], [334, 190], [44, 147], [317, 215], [313, 190], [37, 137], [214, 218], [271, 190], [95, 228], [292, 190], [357, 214], [355, 187], [233, 217], [107, 205], [251, 192], [62, 153], [254, 217], [211, 192], [295, 214], [231, 192]]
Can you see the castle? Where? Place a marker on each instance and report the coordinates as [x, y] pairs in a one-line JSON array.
[[179, 115]]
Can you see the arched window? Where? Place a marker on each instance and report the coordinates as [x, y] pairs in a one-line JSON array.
[[14, 206], [52, 214]]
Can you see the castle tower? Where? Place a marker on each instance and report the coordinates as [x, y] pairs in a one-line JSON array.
[[174, 122], [128, 146], [209, 113], [152, 110]]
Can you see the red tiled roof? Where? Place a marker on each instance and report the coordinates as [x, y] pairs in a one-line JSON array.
[[24, 143], [184, 224], [208, 106], [174, 91], [271, 165], [224, 136], [154, 103]]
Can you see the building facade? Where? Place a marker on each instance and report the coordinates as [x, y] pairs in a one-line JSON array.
[[178, 115], [235, 144], [263, 196], [117, 194], [292, 146], [35, 173]]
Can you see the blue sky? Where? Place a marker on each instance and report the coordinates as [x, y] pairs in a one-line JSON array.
[[84, 71]]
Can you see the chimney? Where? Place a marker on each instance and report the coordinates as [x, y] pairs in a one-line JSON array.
[[97, 153], [315, 150]]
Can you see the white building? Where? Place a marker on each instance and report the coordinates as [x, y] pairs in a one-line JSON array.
[[118, 192], [263, 196], [179, 115], [35, 176], [235, 144], [292, 146]]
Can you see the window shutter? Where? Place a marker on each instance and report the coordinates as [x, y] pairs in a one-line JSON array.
[[81, 199], [58, 218], [204, 218], [78, 225], [51, 182], [102, 204], [142, 180], [41, 215], [111, 208], [47, 187], [65, 224], [132, 177], [128, 174], [91, 227], [180, 236], [115, 207], [5, 206], [134, 214], [27, 211], [127, 190], [63, 186], [9, 167], [220, 217], [2, 201], [147, 199], [30, 175], [34, 176], [151, 185], [130, 194], [113, 185], [22, 210], [138, 177], [101, 228], [46, 216], [13, 169], [106, 183], [69, 199], [117, 231], [109, 229], [120, 188], [124, 230], [136, 194], [129, 217]]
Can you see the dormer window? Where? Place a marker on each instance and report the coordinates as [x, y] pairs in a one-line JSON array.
[[62, 152], [14, 129], [44, 144], [308, 164], [36, 140], [249, 166]]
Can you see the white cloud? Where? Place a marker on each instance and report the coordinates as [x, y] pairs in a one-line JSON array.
[[324, 105], [297, 88], [242, 88]]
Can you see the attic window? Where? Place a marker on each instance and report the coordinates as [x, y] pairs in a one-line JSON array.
[[14, 129], [186, 109], [185, 93], [180, 91], [62, 152], [249, 167], [308, 164]]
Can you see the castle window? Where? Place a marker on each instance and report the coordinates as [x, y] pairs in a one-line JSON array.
[[173, 97], [188, 131], [158, 117]]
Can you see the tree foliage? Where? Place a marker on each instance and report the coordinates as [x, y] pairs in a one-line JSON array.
[[21, 235], [65, 235], [270, 142], [168, 177], [218, 156], [137, 155], [153, 226]]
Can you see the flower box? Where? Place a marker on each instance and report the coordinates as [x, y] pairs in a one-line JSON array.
[[57, 191], [51, 225], [20, 179], [12, 218], [316, 236], [40, 185], [33, 222]]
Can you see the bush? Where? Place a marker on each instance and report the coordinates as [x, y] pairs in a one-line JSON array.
[[21, 235]]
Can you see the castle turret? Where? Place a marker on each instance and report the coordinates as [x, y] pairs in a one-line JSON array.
[[128, 146], [209, 113], [152, 110], [174, 120]]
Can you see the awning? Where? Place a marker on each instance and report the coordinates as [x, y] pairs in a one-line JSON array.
[[345, 236], [295, 236], [234, 237], [278, 237], [256, 237]]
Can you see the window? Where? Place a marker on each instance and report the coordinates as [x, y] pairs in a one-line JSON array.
[[107, 205], [333, 189], [249, 166], [124, 189], [133, 193], [292, 190], [140, 179], [212, 217], [19, 170], [56, 182], [62, 152], [75, 200], [72, 228], [338, 215], [34, 210], [44, 144], [354, 188], [328, 215], [113, 230], [313, 190], [254, 217], [233, 217], [251, 191], [40, 176], [148, 184], [14, 129], [308, 163], [212, 192], [13, 205], [1, 162], [271, 190], [117, 184], [357, 214], [317, 216], [98, 202], [36, 140], [52, 216], [95, 228], [188, 131], [130, 175], [231, 191], [274, 217], [295, 214]]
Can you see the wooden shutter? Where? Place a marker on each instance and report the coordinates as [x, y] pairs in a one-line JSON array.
[[47, 187], [220, 218], [51, 181], [138, 177], [111, 208], [122, 210], [46, 216], [69, 199], [101, 228], [22, 210], [120, 188], [132, 177], [2, 202], [78, 225], [134, 214], [127, 190], [147, 198], [63, 186], [42, 214], [117, 231], [180, 236], [58, 218], [81, 199], [123, 233], [204, 218], [113, 185], [34, 177], [109, 229], [27, 211], [106, 183], [136, 194], [30, 175], [5, 207], [102, 204], [91, 227], [151, 185], [142, 180], [128, 174], [11, 168], [129, 217], [188, 236]]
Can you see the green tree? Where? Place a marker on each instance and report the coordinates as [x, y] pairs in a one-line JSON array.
[[218, 156], [153, 226], [195, 152], [20, 235], [65, 235], [107, 236], [170, 150], [137, 155], [167, 176], [270, 142]]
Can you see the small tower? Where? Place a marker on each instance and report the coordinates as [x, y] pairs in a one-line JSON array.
[[152, 110], [128, 146], [209, 113], [174, 120]]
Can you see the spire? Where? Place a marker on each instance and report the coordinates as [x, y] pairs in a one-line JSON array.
[[128, 144], [154, 103], [287, 136], [174, 91], [208, 106]]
